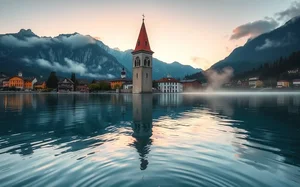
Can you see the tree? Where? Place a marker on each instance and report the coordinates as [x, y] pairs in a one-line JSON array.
[[155, 84], [99, 86], [73, 78], [52, 80], [94, 87], [104, 86]]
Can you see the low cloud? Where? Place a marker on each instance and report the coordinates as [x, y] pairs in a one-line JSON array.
[[291, 12], [201, 62], [70, 67], [73, 41], [26, 60], [268, 44], [12, 41], [76, 41], [287, 40], [254, 29]]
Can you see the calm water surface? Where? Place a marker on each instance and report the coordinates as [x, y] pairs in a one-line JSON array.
[[150, 140]]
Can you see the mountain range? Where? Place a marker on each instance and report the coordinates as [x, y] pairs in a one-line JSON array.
[[265, 48], [84, 55]]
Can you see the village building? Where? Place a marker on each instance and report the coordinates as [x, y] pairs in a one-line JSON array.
[[5, 83], [191, 85], [127, 86], [296, 83], [283, 84], [82, 86], [65, 85], [142, 63], [242, 83], [255, 82], [118, 83], [169, 85], [3, 78], [29, 83], [22, 83], [17, 82], [40, 85]]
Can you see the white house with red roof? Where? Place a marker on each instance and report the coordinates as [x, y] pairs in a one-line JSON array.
[[169, 85]]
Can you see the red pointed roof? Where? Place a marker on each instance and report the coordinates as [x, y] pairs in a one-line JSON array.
[[142, 43]]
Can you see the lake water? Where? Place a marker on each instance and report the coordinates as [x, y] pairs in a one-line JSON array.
[[150, 140]]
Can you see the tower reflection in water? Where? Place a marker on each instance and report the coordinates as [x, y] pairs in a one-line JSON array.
[[142, 126]]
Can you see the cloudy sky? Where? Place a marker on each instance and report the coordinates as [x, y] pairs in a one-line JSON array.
[[194, 32]]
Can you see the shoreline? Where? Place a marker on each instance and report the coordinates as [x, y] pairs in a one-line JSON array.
[[202, 92]]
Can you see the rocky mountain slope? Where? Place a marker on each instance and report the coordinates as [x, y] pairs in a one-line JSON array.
[[267, 47], [67, 53]]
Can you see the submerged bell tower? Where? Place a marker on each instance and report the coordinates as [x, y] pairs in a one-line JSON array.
[[142, 63]]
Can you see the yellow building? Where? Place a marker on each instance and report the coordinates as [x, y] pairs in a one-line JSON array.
[[117, 83], [255, 83], [21, 83], [28, 83], [17, 82], [283, 84]]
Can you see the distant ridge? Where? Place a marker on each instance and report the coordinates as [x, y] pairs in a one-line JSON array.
[[66, 53], [267, 47]]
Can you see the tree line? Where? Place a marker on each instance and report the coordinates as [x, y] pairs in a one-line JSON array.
[[269, 71], [281, 69]]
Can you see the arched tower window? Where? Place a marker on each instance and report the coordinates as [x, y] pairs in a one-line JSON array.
[[147, 62], [137, 62]]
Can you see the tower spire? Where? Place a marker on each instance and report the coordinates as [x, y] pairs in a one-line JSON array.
[[142, 43]]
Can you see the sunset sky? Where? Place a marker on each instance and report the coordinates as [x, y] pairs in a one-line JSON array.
[[194, 32]]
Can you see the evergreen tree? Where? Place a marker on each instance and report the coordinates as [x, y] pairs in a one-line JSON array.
[[73, 78], [52, 80]]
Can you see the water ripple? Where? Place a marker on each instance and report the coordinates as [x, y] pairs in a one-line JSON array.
[[160, 140]]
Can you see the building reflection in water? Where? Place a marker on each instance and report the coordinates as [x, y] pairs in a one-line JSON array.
[[17, 102], [142, 126], [170, 99]]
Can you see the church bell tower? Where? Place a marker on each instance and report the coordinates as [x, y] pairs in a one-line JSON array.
[[142, 64]]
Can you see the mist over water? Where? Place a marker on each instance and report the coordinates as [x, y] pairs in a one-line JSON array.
[[217, 78], [207, 139]]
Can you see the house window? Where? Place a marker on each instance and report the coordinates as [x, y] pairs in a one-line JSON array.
[[137, 75], [146, 75]]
